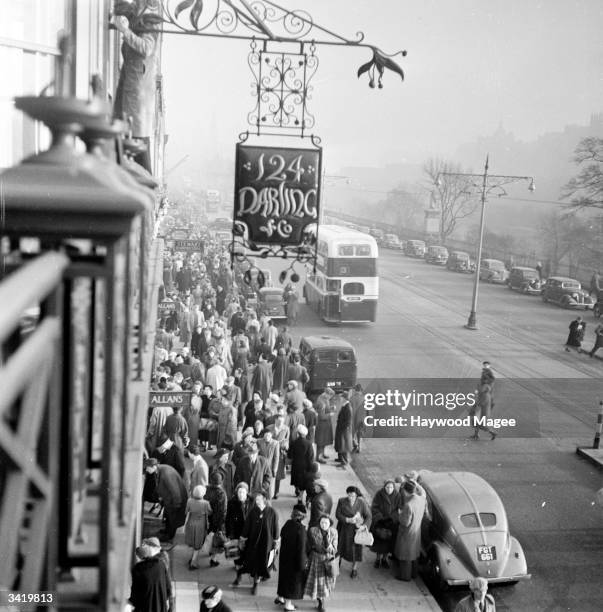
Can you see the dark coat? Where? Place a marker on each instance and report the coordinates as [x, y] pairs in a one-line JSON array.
[[302, 456], [261, 381], [322, 503], [385, 514], [279, 372], [236, 513], [576, 333], [293, 560], [151, 586], [217, 500], [257, 475], [408, 539], [171, 489], [228, 471], [260, 533], [173, 457], [343, 430]]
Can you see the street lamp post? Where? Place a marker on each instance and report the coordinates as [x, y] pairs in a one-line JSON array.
[[489, 182]]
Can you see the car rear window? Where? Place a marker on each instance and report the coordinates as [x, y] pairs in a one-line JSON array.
[[488, 519], [273, 297], [570, 285], [334, 355]]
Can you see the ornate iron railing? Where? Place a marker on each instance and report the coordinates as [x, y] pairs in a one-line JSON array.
[[29, 411]]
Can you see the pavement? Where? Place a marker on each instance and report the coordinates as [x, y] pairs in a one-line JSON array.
[[372, 590], [594, 455]]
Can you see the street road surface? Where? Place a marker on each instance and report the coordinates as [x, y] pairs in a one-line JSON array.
[[547, 489]]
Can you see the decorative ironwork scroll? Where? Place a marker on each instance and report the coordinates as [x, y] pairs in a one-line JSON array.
[[282, 89], [261, 20], [276, 204]]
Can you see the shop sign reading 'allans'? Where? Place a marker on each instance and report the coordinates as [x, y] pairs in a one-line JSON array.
[[277, 193], [170, 398]]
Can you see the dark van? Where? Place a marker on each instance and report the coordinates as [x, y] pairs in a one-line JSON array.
[[330, 361]]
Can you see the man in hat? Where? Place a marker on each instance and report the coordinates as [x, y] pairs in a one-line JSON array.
[[211, 597], [172, 492], [167, 453], [254, 469], [479, 600], [408, 539]]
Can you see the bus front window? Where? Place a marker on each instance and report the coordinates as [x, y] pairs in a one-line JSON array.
[[353, 289]]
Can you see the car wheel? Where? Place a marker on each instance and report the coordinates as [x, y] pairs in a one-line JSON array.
[[435, 574], [544, 298], [596, 312], [564, 303]]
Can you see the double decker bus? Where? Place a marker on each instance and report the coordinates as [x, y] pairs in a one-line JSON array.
[[345, 287]]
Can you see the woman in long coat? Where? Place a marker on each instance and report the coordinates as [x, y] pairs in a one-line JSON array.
[[216, 496], [195, 527], [259, 537], [385, 517], [343, 432], [227, 425], [302, 457], [239, 506], [408, 539], [322, 546], [324, 426], [281, 435], [576, 334], [351, 513], [293, 559], [151, 585], [279, 371]]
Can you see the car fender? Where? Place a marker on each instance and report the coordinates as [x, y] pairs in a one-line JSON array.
[[516, 561], [450, 566]]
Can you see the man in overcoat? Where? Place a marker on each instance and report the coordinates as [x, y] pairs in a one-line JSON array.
[[301, 453], [408, 539], [254, 470]]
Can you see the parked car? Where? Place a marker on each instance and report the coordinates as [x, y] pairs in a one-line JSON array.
[[459, 261], [415, 248], [330, 361], [493, 271], [436, 254], [526, 280], [465, 533], [271, 302], [391, 241], [566, 292]]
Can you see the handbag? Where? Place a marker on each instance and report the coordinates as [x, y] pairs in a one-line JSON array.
[[332, 567], [207, 543], [219, 540], [231, 548], [383, 533], [363, 536]]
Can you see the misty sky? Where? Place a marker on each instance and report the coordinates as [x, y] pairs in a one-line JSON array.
[[532, 66]]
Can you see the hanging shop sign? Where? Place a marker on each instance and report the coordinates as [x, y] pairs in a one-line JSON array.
[[277, 193], [170, 398]]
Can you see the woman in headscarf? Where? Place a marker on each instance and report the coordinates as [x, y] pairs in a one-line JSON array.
[[352, 513], [216, 496], [237, 510], [259, 537], [385, 516], [322, 546], [292, 559], [195, 527]]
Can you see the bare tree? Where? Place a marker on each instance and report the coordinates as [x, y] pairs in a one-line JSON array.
[[403, 207], [586, 189], [454, 196]]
